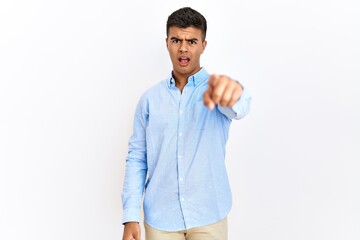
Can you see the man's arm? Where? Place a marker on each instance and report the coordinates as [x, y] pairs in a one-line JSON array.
[[132, 231], [232, 98], [135, 174]]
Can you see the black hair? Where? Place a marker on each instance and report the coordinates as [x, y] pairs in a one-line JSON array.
[[187, 17]]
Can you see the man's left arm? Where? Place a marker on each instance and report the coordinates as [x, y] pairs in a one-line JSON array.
[[232, 98]]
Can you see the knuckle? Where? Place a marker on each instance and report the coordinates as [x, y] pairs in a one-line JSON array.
[[223, 104], [234, 98], [216, 94], [225, 99]]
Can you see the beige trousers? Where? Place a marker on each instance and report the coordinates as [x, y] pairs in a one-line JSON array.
[[215, 231]]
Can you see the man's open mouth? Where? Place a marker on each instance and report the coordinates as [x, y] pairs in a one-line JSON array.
[[184, 60]]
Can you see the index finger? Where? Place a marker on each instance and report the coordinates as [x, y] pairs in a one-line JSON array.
[[207, 98]]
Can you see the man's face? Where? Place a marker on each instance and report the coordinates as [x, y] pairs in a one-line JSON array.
[[185, 45]]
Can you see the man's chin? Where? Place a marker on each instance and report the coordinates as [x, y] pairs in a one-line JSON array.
[[184, 70]]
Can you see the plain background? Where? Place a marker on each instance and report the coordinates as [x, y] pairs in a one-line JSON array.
[[72, 72]]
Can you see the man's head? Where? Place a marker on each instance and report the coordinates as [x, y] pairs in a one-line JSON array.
[[187, 17], [185, 41]]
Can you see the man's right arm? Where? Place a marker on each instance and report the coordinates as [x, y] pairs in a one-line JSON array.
[[135, 174]]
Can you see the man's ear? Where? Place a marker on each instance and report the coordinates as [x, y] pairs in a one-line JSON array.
[[204, 43], [166, 42]]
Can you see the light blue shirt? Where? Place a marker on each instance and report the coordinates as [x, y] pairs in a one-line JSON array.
[[177, 155]]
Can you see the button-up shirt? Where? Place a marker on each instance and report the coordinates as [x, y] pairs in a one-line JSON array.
[[177, 157]]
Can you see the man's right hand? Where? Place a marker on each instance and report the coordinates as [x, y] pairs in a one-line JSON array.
[[132, 231]]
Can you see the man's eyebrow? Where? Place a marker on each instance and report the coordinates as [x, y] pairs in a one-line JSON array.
[[191, 39]]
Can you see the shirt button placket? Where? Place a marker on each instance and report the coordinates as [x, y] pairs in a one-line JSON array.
[[181, 160]]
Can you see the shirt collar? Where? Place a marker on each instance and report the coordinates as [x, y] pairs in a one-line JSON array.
[[193, 80]]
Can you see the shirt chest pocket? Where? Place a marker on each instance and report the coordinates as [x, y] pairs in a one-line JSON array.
[[199, 113]]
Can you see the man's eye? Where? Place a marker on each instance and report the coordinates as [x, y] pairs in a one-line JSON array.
[[175, 41], [192, 42]]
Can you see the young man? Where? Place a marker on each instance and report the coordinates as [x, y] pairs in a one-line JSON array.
[[181, 127]]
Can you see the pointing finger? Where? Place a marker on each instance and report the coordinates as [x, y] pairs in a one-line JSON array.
[[207, 98]]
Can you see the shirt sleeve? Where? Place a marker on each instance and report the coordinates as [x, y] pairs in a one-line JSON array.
[[136, 167], [241, 107]]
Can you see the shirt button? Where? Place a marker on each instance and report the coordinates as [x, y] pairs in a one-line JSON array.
[[182, 199], [181, 179], [180, 156], [180, 134], [181, 111]]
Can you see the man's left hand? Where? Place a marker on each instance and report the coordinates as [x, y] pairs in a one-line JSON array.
[[222, 90]]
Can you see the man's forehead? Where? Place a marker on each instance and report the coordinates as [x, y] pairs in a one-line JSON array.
[[189, 32]]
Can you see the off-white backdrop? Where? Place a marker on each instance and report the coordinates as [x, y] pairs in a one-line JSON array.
[[72, 71]]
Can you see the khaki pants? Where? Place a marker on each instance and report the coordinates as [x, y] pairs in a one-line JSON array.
[[216, 231]]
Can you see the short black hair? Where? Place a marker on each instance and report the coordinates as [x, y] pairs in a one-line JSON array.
[[187, 17]]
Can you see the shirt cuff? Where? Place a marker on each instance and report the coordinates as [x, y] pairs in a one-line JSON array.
[[131, 215], [243, 104]]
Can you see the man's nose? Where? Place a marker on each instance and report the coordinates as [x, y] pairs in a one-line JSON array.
[[183, 47]]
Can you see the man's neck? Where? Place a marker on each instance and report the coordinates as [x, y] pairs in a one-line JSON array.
[[181, 80]]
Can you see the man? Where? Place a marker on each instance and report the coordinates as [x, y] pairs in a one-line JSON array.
[[181, 127]]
